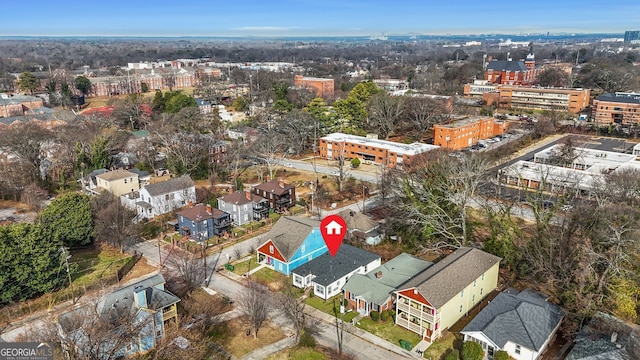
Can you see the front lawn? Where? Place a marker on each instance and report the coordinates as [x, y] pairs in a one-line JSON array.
[[300, 353], [270, 278], [232, 336], [389, 331], [440, 347], [328, 306], [243, 267]]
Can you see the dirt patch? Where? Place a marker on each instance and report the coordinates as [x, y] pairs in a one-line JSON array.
[[141, 268], [236, 338], [15, 212]]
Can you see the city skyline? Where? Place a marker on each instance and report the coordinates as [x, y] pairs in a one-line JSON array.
[[314, 18]]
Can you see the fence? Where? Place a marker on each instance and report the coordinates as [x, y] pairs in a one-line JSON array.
[[124, 270]]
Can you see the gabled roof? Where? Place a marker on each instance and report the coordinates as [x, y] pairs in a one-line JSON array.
[[376, 285], [327, 268], [595, 340], [171, 185], [242, 197], [290, 232], [524, 318], [199, 212], [441, 282], [506, 65], [356, 220], [141, 173], [275, 186]]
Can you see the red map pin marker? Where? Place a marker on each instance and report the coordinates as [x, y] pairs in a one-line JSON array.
[[333, 229]]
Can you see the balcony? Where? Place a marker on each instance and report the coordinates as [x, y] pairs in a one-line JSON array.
[[405, 323], [283, 200], [409, 310], [170, 313], [222, 223]]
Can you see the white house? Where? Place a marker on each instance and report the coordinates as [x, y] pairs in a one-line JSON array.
[[161, 198], [327, 274], [522, 323], [361, 227]]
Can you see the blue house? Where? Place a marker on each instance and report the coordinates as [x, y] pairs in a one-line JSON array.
[[293, 241], [202, 222], [127, 322]]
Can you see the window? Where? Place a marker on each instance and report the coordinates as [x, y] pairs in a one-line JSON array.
[[302, 248], [474, 283], [462, 293], [473, 298], [271, 249], [125, 181], [482, 276], [518, 349], [481, 291], [460, 308]]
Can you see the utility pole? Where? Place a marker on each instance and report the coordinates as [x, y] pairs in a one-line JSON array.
[[363, 197], [339, 325], [66, 255]]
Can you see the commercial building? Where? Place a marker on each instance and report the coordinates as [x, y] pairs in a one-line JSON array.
[[632, 37], [466, 132], [619, 108], [382, 152], [478, 88], [322, 87], [557, 99]]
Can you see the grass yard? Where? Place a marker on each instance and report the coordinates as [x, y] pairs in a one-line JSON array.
[[94, 263], [440, 347], [300, 353], [389, 331], [243, 267], [232, 336], [270, 278], [327, 307]]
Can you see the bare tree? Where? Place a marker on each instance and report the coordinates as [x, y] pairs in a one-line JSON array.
[[254, 300], [202, 309], [385, 112], [423, 113], [113, 222], [293, 309], [28, 143], [185, 151], [271, 148], [188, 270], [34, 196]]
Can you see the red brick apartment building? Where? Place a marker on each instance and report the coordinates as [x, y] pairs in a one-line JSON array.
[[521, 97], [18, 105], [619, 108], [509, 72], [466, 132], [391, 154], [322, 87]]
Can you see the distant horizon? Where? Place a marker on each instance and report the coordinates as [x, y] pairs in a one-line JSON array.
[[313, 18]]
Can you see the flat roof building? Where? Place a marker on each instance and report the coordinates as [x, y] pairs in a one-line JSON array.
[[467, 131], [618, 108]]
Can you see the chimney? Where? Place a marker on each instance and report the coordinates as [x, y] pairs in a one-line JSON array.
[[509, 56], [230, 190], [614, 337], [379, 275], [209, 209], [190, 204], [247, 193], [281, 183]]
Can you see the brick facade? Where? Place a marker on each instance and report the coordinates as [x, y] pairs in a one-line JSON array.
[[466, 132], [322, 87]]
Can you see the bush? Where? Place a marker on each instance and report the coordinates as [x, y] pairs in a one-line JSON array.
[[501, 355], [452, 355], [472, 351], [307, 340], [355, 162], [375, 316], [384, 316]]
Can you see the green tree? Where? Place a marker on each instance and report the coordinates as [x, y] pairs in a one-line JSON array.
[[355, 162], [68, 219], [30, 262], [364, 91], [158, 103], [280, 90], [472, 351], [83, 84], [241, 103], [282, 106], [501, 355], [351, 110], [178, 102], [28, 82], [144, 87], [453, 355]]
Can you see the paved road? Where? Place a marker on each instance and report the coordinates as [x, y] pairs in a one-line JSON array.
[[325, 167]]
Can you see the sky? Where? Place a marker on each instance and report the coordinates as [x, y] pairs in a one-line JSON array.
[[313, 17]]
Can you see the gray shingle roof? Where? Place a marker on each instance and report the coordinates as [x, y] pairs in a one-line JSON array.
[[328, 269], [620, 98], [358, 221], [594, 341], [393, 274], [506, 65], [290, 232], [240, 198], [441, 282], [171, 185], [524, 318]]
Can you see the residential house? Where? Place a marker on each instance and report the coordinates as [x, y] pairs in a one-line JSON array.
[[162, 197], [606, 338], [292, 242], [90, 182], [244, 207], [281, 196], [522, 323], [123, 160], [361, 227], [327, 274], [202, 222], [146, 305], [117, 182], [144, 177], [373, 291], [436, 298]]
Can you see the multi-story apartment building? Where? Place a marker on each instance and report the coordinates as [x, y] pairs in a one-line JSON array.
[[280, 195], [619, 108], [388, 153], [322, 87], [558, 99], [466, 132], [154, 79], [18, 105]]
